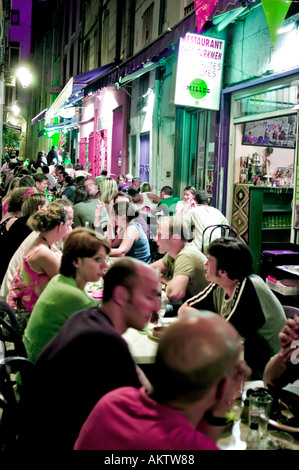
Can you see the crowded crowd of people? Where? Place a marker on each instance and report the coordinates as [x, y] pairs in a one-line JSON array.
[[62, 228]]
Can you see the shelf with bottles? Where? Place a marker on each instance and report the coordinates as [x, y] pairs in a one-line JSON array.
[[277, 221]]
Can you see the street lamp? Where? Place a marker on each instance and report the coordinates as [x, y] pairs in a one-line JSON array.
[[15, 109], [24, 75]]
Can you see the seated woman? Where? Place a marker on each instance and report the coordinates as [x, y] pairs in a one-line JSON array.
[[20, 230], [83, 260], [14, 184], [15, 203], [68, 188], [189, 201], [134, 241], [39, 263], [85, 209]]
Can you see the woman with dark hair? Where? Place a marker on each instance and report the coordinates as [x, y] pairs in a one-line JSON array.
[[14, 184], [68, 188], [14, 207], [83, 260], [39, 263], [20, 230], [189, 201], [134, 241], [85, 209]]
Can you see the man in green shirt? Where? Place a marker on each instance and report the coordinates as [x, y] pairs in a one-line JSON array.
[[168, 203], [182, 268]]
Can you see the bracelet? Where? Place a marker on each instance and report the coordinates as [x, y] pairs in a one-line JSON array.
[[216, 421]]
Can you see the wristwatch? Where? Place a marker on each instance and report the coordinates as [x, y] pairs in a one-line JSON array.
[[217, 421]]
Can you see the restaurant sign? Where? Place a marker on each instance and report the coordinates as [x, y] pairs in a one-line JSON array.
[[199, 72]]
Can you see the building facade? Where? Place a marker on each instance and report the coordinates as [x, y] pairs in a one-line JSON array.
[[121, 58]]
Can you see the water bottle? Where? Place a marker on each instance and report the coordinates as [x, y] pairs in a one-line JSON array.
[[253, 437]]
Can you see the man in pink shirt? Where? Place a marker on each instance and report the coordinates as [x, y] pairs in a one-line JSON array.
[[198, 372]]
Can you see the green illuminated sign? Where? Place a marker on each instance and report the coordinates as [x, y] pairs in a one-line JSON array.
[[198, 89]]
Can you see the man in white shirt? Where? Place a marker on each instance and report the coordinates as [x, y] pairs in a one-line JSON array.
[[201, 217]]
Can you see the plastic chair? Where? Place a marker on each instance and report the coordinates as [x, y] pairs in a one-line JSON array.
[[290, 311], [12, 399], [225, 232], [10, 332]]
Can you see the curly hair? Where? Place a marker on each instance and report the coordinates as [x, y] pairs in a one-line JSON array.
[[47, 218]]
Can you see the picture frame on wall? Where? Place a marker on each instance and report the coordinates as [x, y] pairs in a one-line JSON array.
[[277, 132]]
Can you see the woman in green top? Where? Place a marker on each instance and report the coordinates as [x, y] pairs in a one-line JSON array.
[[83, 260]]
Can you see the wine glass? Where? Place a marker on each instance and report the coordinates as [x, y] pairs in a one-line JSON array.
[[163, 308]]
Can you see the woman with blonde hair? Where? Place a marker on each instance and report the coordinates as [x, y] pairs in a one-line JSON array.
[[83, 260], [39, 263], [108, 187]]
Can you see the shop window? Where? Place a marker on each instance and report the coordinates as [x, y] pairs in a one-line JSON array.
[[15, 17], [268, 101], [201, 150]]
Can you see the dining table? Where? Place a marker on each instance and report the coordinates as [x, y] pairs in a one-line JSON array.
[[234, 437], [142, 344]]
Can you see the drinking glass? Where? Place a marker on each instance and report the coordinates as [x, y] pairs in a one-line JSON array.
[[259, 410], [278, 440], [163, 307]]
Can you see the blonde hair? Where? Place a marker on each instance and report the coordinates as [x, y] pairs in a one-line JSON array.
[[31, 203], [47, 218], [145, 188], [108, 187]]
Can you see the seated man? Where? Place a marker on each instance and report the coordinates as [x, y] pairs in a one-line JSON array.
[[168, 202], [201, 217], [88, 358], [183, 266], [198, 374], [243, 299], [283, 368]]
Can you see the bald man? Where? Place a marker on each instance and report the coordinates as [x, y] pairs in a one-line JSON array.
[[88, 357], [198, 373]]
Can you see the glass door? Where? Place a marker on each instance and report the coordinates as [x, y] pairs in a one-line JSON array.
[[201, 150]]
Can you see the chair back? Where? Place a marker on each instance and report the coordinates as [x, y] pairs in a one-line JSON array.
[[12, 398], [10, 336], [290, 311], [224, 230]]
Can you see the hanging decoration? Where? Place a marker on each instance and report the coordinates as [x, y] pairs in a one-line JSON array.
[[275, 12], [203, 9], [62, 140]]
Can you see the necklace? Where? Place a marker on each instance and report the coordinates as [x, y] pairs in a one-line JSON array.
[[45, 240]]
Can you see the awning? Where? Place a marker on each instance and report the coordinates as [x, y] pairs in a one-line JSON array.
[[152, 54], [73, 90], [38, 117], [62, 126]]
